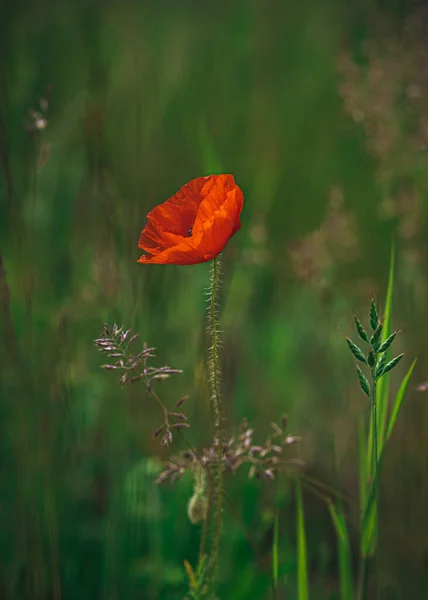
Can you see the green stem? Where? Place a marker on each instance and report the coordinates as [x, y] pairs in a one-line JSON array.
[[362, 578], [219, 417], [376, 471]]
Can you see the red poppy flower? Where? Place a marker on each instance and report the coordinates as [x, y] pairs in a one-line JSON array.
[[195, 224]]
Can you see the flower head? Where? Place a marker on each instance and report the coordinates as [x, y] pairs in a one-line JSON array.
[[195, 224]]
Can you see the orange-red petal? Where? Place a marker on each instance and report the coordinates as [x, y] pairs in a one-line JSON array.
[[209, 207]]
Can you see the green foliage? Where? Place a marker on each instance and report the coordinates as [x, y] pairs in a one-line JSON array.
[[344, 552], [302, 561], [144, 96]]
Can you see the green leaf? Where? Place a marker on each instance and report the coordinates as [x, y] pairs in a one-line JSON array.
[[392, 363], [360, 329], [374, 315], [362, 449], [302, 563], [386, 344], [368, 532], [357, 352], [275, 552], [398, 401], [365, 386], [344, 554]]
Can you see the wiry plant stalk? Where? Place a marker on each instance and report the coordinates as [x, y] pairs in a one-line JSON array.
[[219, 416]]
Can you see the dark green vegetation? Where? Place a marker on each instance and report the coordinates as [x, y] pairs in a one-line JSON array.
[[320, 113]]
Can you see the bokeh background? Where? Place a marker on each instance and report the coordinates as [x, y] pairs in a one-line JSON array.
[[320, 110]]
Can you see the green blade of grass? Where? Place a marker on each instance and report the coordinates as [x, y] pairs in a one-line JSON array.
[[275, 552], [302, 564], [398, 401], [368, 538], [362, 453], [383, 384], [368, 529], [345, 570]]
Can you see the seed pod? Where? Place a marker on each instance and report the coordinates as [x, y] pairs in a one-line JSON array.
[[375, 340], [386, 344], [392, 363], [371, 359], [365, 386], [357, 352], [374, 315], [197, 508], [380, 367], [360, 329]]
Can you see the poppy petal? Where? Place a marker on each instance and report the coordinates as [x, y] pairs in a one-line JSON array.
[[195, 224]]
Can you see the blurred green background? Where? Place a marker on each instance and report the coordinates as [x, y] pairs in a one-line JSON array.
[[320, 111]]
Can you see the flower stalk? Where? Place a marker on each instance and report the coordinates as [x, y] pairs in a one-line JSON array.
[[213, 320]]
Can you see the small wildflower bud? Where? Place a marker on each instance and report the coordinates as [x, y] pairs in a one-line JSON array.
[[133, 338], [243, 426], [167, 439], [180, 416], [41, 123], [181, 401], [109, 367], [292, 439], [159, 431], [276, 429], [43, 103]]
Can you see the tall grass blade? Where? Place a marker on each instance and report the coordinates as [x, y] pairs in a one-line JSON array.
[[369, 515], [275, 552], [302, 563], [362, 454], [368, 537], [343, 547], [383, 384], [398, 401]]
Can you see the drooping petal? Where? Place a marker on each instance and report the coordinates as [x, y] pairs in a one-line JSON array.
[[182, 254], [195, 224]]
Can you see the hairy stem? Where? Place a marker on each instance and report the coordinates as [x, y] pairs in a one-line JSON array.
[[219, 416]]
